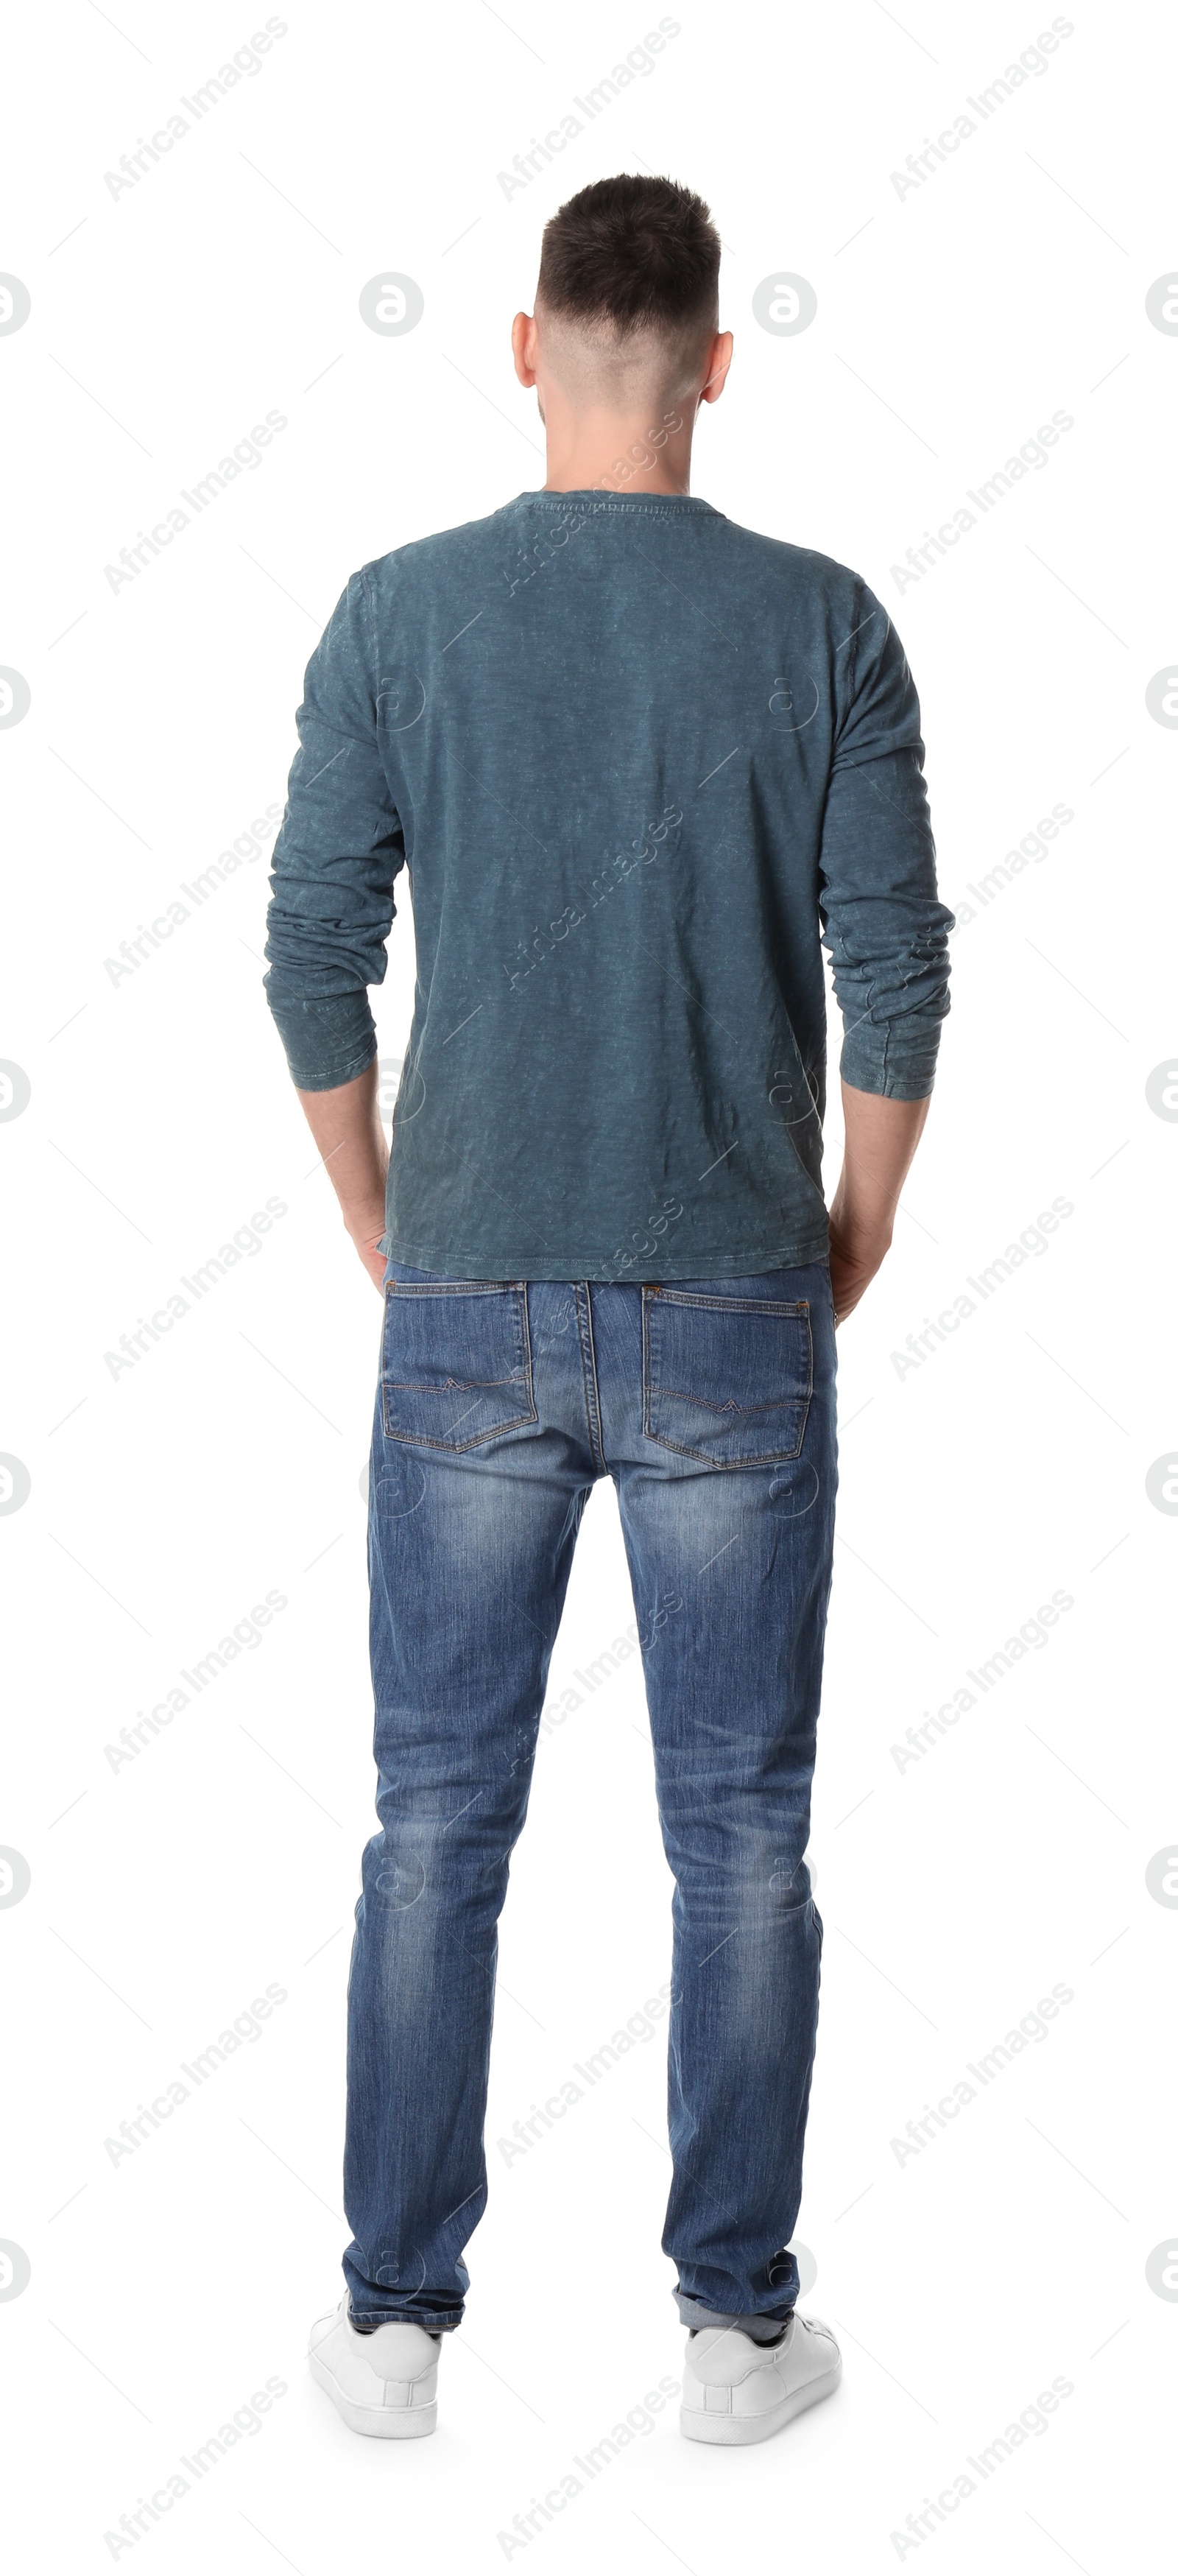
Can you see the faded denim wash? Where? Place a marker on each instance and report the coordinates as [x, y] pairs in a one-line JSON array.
[[712, 1407]]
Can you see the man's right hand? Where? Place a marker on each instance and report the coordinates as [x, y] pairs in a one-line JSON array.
[[351, 1141], [366, 1238]]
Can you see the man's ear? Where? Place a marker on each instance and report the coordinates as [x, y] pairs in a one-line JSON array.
[[523, 347], [719, 361]]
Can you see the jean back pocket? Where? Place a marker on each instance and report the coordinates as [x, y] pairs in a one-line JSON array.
[[727, 1380], [456, 1362]]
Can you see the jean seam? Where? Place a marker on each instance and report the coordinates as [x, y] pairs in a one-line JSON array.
[[458, 1448], [589, 1371], [726, 1466], [453, 1287], [673, 1296]]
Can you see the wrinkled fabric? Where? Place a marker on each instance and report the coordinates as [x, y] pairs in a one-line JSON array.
[[636, 763]]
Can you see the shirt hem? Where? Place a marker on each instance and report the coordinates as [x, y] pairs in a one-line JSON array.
[[717, 1263]]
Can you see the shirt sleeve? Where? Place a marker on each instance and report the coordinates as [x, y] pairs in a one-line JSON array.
[[338, 850], [887, 934]]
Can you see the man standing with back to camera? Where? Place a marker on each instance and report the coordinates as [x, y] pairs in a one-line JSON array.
[[638, 763]]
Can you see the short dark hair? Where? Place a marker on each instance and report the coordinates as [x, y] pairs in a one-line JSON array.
[[637, 252]]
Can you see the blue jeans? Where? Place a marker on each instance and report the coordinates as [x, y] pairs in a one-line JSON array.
[[711, 1404]]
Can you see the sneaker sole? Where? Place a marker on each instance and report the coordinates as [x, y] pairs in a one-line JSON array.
[[697, 2426], [385, 2423]]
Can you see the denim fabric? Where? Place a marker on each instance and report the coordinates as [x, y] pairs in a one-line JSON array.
[[636, 762], [498, 1407]]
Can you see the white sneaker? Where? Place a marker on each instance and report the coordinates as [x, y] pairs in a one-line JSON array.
[[384, 2383], [735, 2390]]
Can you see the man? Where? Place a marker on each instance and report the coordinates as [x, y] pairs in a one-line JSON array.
[[635, 762]]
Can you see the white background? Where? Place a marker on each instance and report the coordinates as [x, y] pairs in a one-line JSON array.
[[1011, 1857]]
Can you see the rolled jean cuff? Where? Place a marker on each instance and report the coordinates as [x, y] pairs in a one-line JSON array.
[[759, 2329], [438, 2324]]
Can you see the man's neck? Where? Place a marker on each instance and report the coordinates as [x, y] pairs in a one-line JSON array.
[[598, 451]]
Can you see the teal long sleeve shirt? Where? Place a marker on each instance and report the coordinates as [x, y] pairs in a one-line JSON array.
[[637, 763]]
